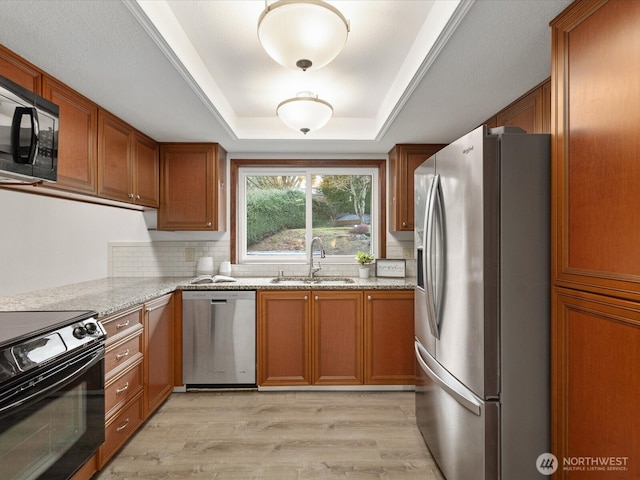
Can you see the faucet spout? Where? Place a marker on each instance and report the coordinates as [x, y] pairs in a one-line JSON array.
[[313, 269]]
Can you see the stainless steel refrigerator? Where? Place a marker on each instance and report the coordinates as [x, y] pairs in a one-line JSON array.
[[482, 304]]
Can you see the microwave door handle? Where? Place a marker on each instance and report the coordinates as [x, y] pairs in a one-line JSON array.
[[35, 136], [429, 287], [16, 122]]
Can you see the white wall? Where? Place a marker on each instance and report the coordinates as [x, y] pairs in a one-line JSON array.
[[47, 242]]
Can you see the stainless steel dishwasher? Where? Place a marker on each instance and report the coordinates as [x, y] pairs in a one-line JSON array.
[[219, 338]]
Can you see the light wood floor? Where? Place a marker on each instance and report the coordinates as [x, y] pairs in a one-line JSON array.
[[278, 435]]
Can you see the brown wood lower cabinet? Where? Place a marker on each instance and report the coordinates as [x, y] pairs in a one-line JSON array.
[[138, 369], [158, 356], [337, 337], [596, 380], [389, 337], [123, 378], [284, 338], [120, 427], [331, 337]]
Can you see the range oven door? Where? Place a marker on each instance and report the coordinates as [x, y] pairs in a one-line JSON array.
[[52, 422]]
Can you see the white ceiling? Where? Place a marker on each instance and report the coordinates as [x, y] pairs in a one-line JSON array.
[[412, 71]]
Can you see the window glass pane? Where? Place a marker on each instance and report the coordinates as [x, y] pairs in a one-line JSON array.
[[282, 209], [342, 213], [275, 215]]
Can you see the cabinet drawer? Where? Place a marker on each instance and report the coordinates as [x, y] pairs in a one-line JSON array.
[[123, 353], [121, 427], [123, 387], [121, 324]]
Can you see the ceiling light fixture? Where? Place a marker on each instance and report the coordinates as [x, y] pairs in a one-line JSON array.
[[304, 112], [302, 34]]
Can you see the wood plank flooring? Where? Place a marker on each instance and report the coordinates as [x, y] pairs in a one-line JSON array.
[[278, 435]]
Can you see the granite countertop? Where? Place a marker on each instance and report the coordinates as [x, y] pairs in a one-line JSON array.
[[113, 294]]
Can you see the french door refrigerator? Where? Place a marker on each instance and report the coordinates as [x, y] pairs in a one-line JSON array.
[[482, 304]]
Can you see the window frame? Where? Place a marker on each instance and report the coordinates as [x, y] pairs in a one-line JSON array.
[[237, 164]]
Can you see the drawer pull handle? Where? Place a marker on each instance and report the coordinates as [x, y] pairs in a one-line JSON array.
[[122, 355], [122, 325], [369, 297], [316, 298], [123, 426], [306, 298], [124, 388]]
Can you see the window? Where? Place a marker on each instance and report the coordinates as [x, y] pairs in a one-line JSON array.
[[281, 208]]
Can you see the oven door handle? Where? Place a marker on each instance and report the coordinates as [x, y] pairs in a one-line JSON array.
[[87, 362]]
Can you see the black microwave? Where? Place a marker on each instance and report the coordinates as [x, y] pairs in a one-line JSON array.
[[28, 134]]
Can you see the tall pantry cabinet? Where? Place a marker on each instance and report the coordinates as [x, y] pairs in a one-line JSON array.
[[596, 237]]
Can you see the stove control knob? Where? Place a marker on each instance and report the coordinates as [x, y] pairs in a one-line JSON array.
[[80, 332], [91, 328]]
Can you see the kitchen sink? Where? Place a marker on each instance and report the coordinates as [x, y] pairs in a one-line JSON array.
[[312, 281]]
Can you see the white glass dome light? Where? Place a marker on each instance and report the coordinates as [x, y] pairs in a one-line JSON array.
[[304, 112], [302, 34]]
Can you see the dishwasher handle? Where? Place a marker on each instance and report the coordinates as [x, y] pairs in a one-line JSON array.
[[218, 302]]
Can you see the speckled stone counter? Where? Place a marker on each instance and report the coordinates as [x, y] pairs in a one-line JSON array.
[[110, 295]]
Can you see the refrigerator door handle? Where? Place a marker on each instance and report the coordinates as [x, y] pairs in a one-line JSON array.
[[446, 381], [442, 254], [434, 210]]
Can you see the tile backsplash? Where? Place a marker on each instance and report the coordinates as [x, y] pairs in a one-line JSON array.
[[179, 258]]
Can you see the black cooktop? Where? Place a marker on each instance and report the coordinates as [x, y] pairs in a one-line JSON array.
[[17, 326], [30, 340]]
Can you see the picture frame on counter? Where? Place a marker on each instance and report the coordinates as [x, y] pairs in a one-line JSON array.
[[393, 268]]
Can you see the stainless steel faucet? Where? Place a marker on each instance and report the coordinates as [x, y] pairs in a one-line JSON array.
[[313, 269]]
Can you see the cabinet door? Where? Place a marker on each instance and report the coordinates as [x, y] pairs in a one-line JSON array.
[[146, 178], [284, 337], [596, 172], [78, 138], [114, 158], [189, 186], [596, 380], [403, 160], [19, 71], [158, 355], [389, 337], [337, 338], [526, 113]]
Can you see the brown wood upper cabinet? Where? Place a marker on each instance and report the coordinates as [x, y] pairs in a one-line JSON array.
[[20, 71], [127, 163], [192, 187], [531, 112], [403, 160], [78, 138]]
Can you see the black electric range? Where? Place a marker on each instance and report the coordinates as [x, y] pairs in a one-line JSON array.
[[31, 339]]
